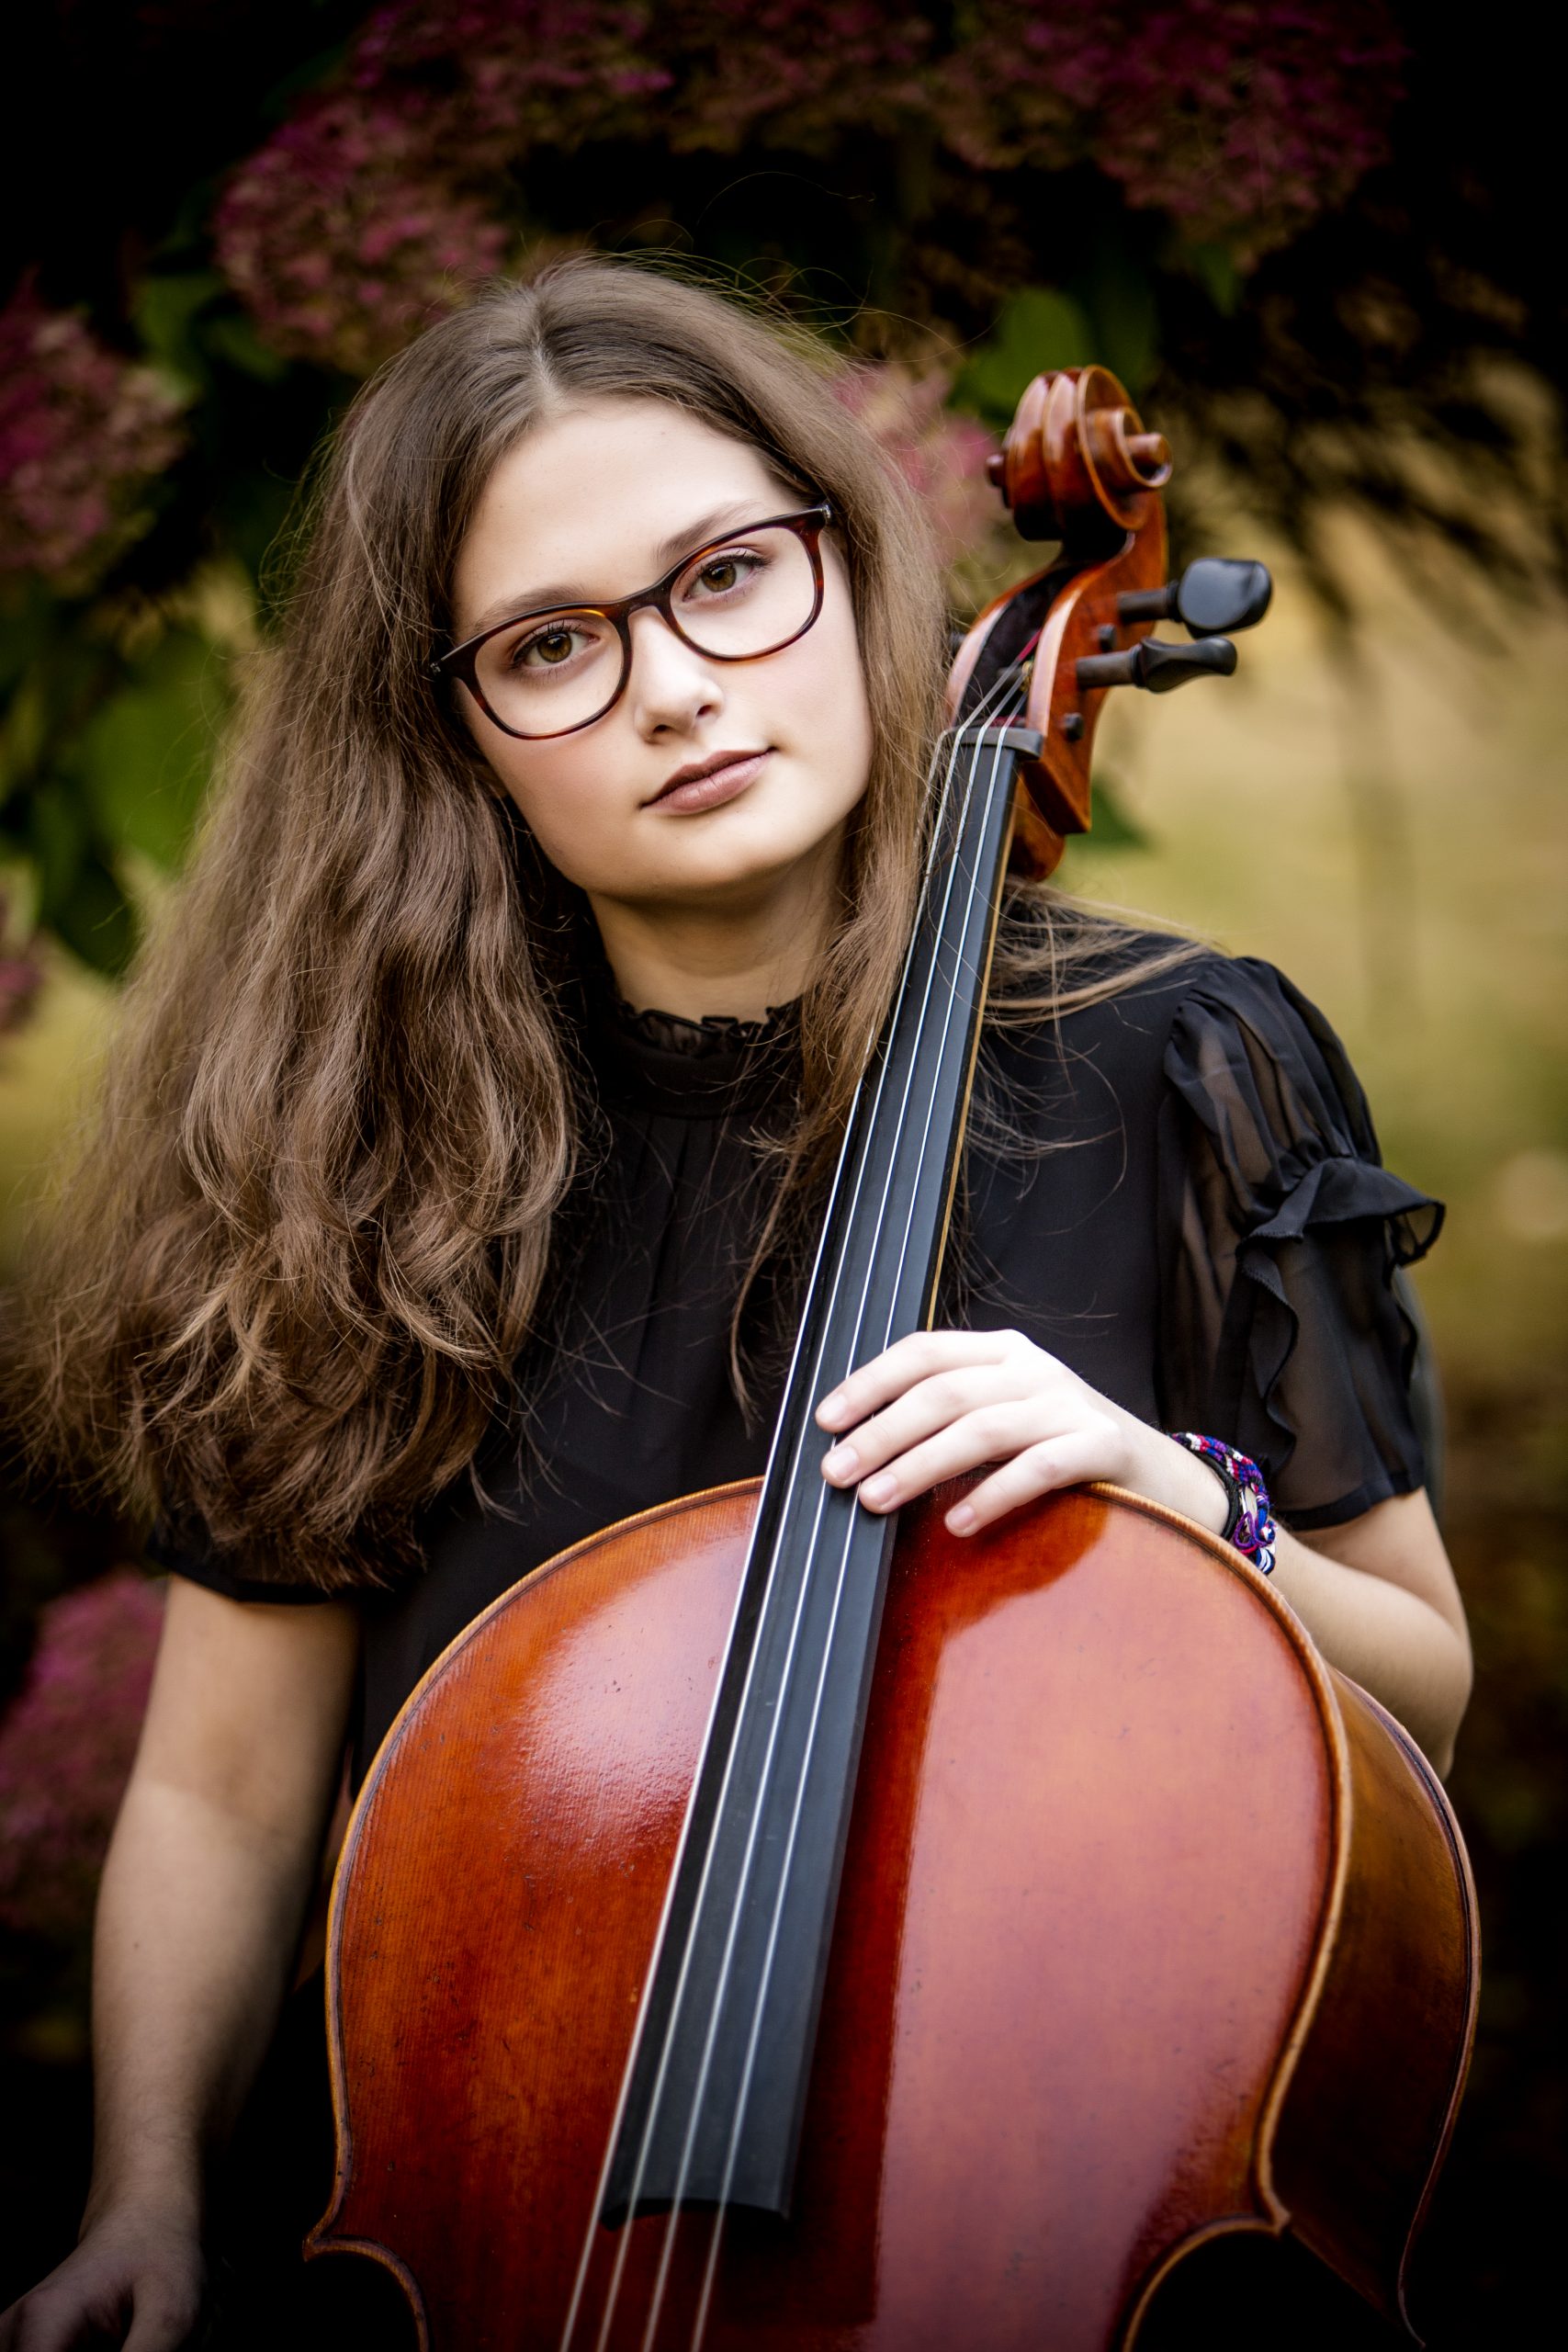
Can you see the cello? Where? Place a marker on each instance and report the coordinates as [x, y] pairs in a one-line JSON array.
[[772, 1924]]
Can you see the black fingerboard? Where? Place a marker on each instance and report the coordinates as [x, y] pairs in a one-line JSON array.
[[716, 2090]]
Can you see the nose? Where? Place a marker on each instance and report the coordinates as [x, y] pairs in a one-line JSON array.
[[672, 687]]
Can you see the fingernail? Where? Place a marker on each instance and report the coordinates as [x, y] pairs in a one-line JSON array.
[[831, 1408], [960, 1519], [878, 1489], [843, 1462]]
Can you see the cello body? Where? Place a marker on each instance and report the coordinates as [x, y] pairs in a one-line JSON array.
[[1099, 1989]]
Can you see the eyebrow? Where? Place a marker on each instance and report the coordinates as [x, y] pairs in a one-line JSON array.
[[688, 540]]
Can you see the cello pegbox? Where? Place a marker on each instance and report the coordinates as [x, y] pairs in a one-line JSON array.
[[1077, 466]]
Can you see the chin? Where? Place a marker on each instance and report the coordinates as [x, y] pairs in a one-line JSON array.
[[752, 847]]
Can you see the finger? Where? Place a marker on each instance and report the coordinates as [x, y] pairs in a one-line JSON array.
[[917, 1357], [930, 1406], [164, 2322], [1070, 1459], [47, 2321], [995, 1433]]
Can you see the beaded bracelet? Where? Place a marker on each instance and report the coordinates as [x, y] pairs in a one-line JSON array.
[[1250, 1525]]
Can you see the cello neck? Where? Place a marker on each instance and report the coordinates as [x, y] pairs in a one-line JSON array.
[[715, 2092]]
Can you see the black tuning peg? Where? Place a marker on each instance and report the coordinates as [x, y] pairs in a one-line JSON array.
[[1217, 593], [1158, 666]]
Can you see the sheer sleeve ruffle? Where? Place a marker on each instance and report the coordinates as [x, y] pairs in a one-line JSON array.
[[1283, 1329]]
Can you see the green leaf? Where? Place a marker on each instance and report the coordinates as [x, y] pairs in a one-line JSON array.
[[1039, 328], [142, 762], [231, 338], [58, 845], [164, 309], [1215, 269], [95, 922], [79, 896], [1122, 308]]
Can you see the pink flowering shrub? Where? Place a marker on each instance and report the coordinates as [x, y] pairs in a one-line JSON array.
[[519, 71], [378, 204], [67, 1746], [344, 234], [20, 980], [83, 432], [941, 455], [383, 200], [1241, 118], [796, 72], [20, 976]]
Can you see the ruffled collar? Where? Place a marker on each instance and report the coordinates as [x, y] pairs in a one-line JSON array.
[[666, 1064], [717, 1034]]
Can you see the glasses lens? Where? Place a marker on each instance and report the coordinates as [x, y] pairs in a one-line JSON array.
[[550, 674], [561, 670], [748, 596]]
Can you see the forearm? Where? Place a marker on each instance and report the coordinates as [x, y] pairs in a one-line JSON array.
[[1377, 1594], [1393, 1643], [198, 1920], [203, 1898], [1405, 1651]]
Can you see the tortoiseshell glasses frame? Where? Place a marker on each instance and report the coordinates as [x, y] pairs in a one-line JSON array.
[[462, 661]]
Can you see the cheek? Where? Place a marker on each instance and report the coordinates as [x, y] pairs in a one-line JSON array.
[[828, 703], [559, 792]]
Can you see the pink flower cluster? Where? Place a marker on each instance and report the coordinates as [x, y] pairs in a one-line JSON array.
[[794, 71], [381, 200], [379, 203], [20, 978], [941, 455], [82, 433], [343, 236], [67, 1746], [1241, 118], [376, 206], [520, 70]]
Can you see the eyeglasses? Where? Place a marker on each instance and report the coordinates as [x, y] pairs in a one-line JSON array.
[[554, 669]]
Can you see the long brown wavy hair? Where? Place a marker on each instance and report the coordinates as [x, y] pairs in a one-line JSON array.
[[285, 1289]]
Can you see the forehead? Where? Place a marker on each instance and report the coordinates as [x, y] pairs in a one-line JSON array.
[[585, 504]]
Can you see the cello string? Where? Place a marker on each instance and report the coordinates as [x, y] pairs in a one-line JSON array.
[[765, 1776], [976, 756], [585, 2261], [856, 1350], [863, 1176]]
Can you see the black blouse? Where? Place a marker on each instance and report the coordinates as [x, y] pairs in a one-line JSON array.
[[1177, 1191]]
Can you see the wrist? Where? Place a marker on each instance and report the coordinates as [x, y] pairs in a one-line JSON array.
[[1164, 1472], [1208, 1498], [167, 2191], [1248, 1525]]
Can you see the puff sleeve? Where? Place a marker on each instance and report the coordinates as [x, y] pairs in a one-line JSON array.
[[1281, 1235]]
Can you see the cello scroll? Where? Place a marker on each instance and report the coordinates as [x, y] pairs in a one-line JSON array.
[[1079, 467]]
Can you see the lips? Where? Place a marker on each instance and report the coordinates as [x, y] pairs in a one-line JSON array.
[[707, 784]]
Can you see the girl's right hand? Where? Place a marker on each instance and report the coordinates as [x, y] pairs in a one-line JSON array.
[[135, 2279]]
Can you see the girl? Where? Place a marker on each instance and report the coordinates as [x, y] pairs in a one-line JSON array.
[[455, 1174]]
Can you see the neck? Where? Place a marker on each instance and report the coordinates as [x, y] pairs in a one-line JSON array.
[[738, 952]]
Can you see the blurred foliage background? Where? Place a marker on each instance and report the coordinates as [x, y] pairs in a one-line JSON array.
[[1303, 231]]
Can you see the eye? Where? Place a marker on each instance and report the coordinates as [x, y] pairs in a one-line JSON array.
[[721, 575], [550, 648]]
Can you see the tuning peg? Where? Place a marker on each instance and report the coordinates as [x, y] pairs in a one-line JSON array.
[[1158, 666], [1217, 593]]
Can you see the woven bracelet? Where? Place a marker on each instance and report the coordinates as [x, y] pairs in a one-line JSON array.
[[1249, 1524]]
